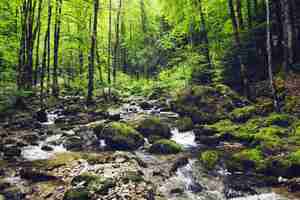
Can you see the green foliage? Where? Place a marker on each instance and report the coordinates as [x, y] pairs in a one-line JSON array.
[[209, 159]]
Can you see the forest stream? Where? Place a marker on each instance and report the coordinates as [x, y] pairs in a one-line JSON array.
[[176, 177]]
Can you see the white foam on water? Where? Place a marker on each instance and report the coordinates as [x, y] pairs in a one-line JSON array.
[[186, 139]]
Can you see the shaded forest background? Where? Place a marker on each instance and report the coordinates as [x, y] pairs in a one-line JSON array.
[[53, 47]]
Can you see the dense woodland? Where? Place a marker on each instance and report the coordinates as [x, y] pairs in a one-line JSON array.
[[149, 99]]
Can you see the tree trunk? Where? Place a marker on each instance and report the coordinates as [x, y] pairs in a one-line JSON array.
[[206, 41], [269, 53], [48, 45], [109, 50], [92, 53], [235, 25], [287, 35], [117, 44], [55, 86]]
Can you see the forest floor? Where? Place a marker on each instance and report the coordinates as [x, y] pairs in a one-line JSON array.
[[205, 143]]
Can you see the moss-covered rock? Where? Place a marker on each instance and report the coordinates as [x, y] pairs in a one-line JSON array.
[[209, 159], [120, 136], [165, 147], [154, 127], [292, 105], [184, 124], [77, 194], [205, 104], [282, 120], [269, 139], [248, 159], [242, 114]]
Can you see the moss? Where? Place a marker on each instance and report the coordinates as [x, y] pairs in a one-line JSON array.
[[242, 114], [224, 127], [269, 138], [249, 159], [292, 104], [294, 157], [209, 159], [154, 126], [77, 194], [264, 107], [165, 147], [184, 124], [121, 136], [282, 120], [58, 160]]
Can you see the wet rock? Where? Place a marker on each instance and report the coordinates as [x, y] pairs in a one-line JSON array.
[[154, 127], [77, 194], [146, 105], [14, 193], [47, 148], [11, 151], [196, 187], [73, 143], [35, 175], [114, 115], [165, 147], [294, 185], [177, 191], [180, 162], [31, 138], [41, 116], [204, 130], [208, 140], [184, 124]]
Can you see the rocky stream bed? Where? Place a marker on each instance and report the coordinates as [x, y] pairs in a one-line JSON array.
[[55, 160]]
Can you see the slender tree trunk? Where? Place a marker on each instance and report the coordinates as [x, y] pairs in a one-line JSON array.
[[37, 57], [206, 41], [117, 44], [37, 33], [48, 45], [269, 52], [235, 25], [55, 86], [92, 53], [249, 14], [109, 50], [239, 15], [287, 35]]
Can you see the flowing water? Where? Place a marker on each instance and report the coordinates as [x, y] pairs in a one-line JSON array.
[[189, 182]]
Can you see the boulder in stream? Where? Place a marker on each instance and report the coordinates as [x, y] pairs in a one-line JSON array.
[[120, 136], [154, 128], [165, 147]]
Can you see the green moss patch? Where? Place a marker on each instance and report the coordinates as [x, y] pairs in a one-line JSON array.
[[242, 114], [154, 126], [120, 136], [165, 147], [209, 159]]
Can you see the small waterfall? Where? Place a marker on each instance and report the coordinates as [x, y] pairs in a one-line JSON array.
[[35, 152], [186, 139]]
